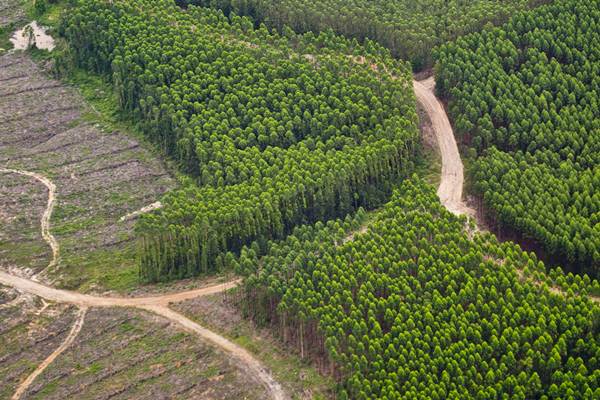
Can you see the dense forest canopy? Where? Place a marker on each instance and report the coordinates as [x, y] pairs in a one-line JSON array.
[[274, 130], [409, 28], [527, 97], [417, 307]]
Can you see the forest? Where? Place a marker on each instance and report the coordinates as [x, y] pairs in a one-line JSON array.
[[525, 96], [272, 130], [418, 307], [409, 29], [298, 200]]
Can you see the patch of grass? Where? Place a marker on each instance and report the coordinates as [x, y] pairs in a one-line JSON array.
[[95, 367], [428, 165], [110, 269], [5, 35]]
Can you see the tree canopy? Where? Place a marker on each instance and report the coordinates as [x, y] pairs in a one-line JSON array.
[[417, 308], [526, 97], [275, 130]]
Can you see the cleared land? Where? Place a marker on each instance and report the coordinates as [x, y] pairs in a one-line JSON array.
[[100, 177], [219, 313], [30, 330], [132, 354], [11, 11]]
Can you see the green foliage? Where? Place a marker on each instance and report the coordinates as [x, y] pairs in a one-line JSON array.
[[527, 96], [275, 130], [40, 7], [410, 29], [415, 308]]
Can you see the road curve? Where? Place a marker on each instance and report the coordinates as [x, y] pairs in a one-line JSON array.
[[237, 352], [45, 220], [85, 300], [452, 176]]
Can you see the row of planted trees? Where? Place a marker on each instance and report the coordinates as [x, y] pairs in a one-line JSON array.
[[416, 308], [526, 97], [410, 30], [274, 130]]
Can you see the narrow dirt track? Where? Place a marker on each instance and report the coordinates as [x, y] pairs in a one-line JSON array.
[[252, 364], [45, 220], [84, 300], [22, 388]]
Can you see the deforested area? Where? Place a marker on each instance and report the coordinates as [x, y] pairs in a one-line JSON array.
[[99, 175], [128, 354], [30, 330]]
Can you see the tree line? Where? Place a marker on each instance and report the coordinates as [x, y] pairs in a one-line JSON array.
[[272, 129], [416, 308]]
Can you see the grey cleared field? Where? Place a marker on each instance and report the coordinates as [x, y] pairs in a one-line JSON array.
[[100, 176]]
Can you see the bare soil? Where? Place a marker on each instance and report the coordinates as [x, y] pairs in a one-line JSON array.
[[452, 178]]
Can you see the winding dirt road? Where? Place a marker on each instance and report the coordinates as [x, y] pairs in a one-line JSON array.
[[449, 192], [155, 304], [45, 220], [452, 176]]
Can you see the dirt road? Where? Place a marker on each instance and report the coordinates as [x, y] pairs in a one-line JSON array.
[[242, 355], [45, 221], [22, 388], [84, 300], [452, 177], [156, 304]]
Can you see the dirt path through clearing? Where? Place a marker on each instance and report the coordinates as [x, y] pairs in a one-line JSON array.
[[22, 388], [45, 221], [242, 355], [85, 300], [452, 177], [156, 304]]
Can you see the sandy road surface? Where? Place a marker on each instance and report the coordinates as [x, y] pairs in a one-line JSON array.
[[84, 300], [452, 179]]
